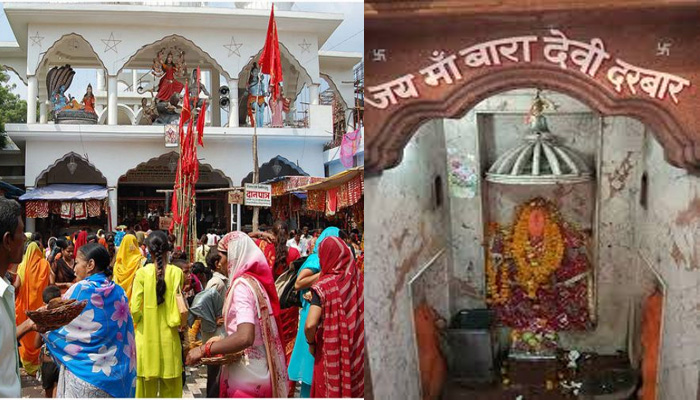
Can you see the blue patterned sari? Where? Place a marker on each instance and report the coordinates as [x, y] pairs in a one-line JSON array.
[[98, 346]]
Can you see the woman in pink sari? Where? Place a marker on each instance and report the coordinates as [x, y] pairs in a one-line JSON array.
[[251, 313]]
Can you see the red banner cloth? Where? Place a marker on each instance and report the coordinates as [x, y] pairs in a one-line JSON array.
[[94, 208], [270, 62], [37, 209], [80, 210]]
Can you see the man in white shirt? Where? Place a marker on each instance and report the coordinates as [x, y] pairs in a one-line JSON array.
[[218, 280], [211, 238], [11, 245], [297, 243], [305, 237]]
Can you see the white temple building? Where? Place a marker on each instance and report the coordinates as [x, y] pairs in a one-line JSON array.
[[113, 47]]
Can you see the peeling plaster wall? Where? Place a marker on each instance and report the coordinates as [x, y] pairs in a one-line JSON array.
[[668, 240], [406, 231]]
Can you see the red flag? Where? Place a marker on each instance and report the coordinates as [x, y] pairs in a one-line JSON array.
[[186, 111], [270, 62], [176, 214], [200, 123]]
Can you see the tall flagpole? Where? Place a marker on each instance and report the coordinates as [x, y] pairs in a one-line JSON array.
[[256, 168]]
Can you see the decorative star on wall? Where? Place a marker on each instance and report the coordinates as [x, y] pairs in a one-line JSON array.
[[36, 39], [111, 43], [233, 47], [305, 47]]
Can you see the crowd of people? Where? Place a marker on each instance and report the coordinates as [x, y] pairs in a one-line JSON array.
[[289, 305]]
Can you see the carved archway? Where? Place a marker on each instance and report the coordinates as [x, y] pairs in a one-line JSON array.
[[163, 160], [270, 170], [47, 56], [153, 47], [58, 172], [630, 77], [385, 147]]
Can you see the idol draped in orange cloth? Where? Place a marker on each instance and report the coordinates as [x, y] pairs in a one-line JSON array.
[[168, 85], [651, 330], [33, 274]]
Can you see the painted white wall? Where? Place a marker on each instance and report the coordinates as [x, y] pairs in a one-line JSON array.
[[113, 158]]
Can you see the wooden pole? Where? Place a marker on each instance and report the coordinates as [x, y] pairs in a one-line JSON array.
[[256, 169]]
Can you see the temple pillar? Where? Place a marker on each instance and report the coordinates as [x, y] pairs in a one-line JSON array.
[[233, 105], [313, 92], [32, 91], [112, 100], [112, 193]]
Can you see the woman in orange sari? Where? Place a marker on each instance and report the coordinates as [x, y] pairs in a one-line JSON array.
[[129, 260], [32, 278]]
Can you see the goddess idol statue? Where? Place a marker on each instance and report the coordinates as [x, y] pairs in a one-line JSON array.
[[168, 84]]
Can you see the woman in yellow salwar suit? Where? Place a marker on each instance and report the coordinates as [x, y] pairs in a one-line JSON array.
[[157, 319], [32, 278], [129, 260]]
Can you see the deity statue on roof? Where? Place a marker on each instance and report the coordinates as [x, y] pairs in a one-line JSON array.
[[59, 99], [87, 104], [148, 113], [169, 69], [196, 88], [278, 109], [65, 109], [256, 96]]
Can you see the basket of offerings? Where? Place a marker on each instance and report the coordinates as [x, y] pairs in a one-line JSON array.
[[222, 359], [58, 313]]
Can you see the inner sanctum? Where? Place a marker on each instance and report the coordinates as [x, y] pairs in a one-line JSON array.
[[538, 213]]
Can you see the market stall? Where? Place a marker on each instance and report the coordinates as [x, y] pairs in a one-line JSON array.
[[288, 200], [64, 207], [339, 198]]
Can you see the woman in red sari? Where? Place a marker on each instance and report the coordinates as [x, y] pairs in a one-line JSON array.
[[280, 257], [335, 326]]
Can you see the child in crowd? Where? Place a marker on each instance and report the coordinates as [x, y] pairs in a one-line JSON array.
[[49, 369]]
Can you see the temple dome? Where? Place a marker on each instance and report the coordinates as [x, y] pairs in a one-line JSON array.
[[539, 160]]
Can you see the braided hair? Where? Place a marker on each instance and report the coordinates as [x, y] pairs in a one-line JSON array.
[[158, 246], [280, 231]]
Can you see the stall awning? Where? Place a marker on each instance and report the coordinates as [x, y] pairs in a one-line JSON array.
[[66, 192], [10, 191], [336, 192], [335, 180], [288, 184]]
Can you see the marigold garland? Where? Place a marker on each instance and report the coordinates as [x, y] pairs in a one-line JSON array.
[[536, 262]]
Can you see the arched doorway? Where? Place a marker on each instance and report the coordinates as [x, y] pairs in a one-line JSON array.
[[71, 168], [71, 175], [141, 196], [277, 167]]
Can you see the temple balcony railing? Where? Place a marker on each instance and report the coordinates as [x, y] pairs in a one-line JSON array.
[[154, 133]]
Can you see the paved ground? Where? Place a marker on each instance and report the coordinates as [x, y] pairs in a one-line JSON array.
[[195, 384]]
